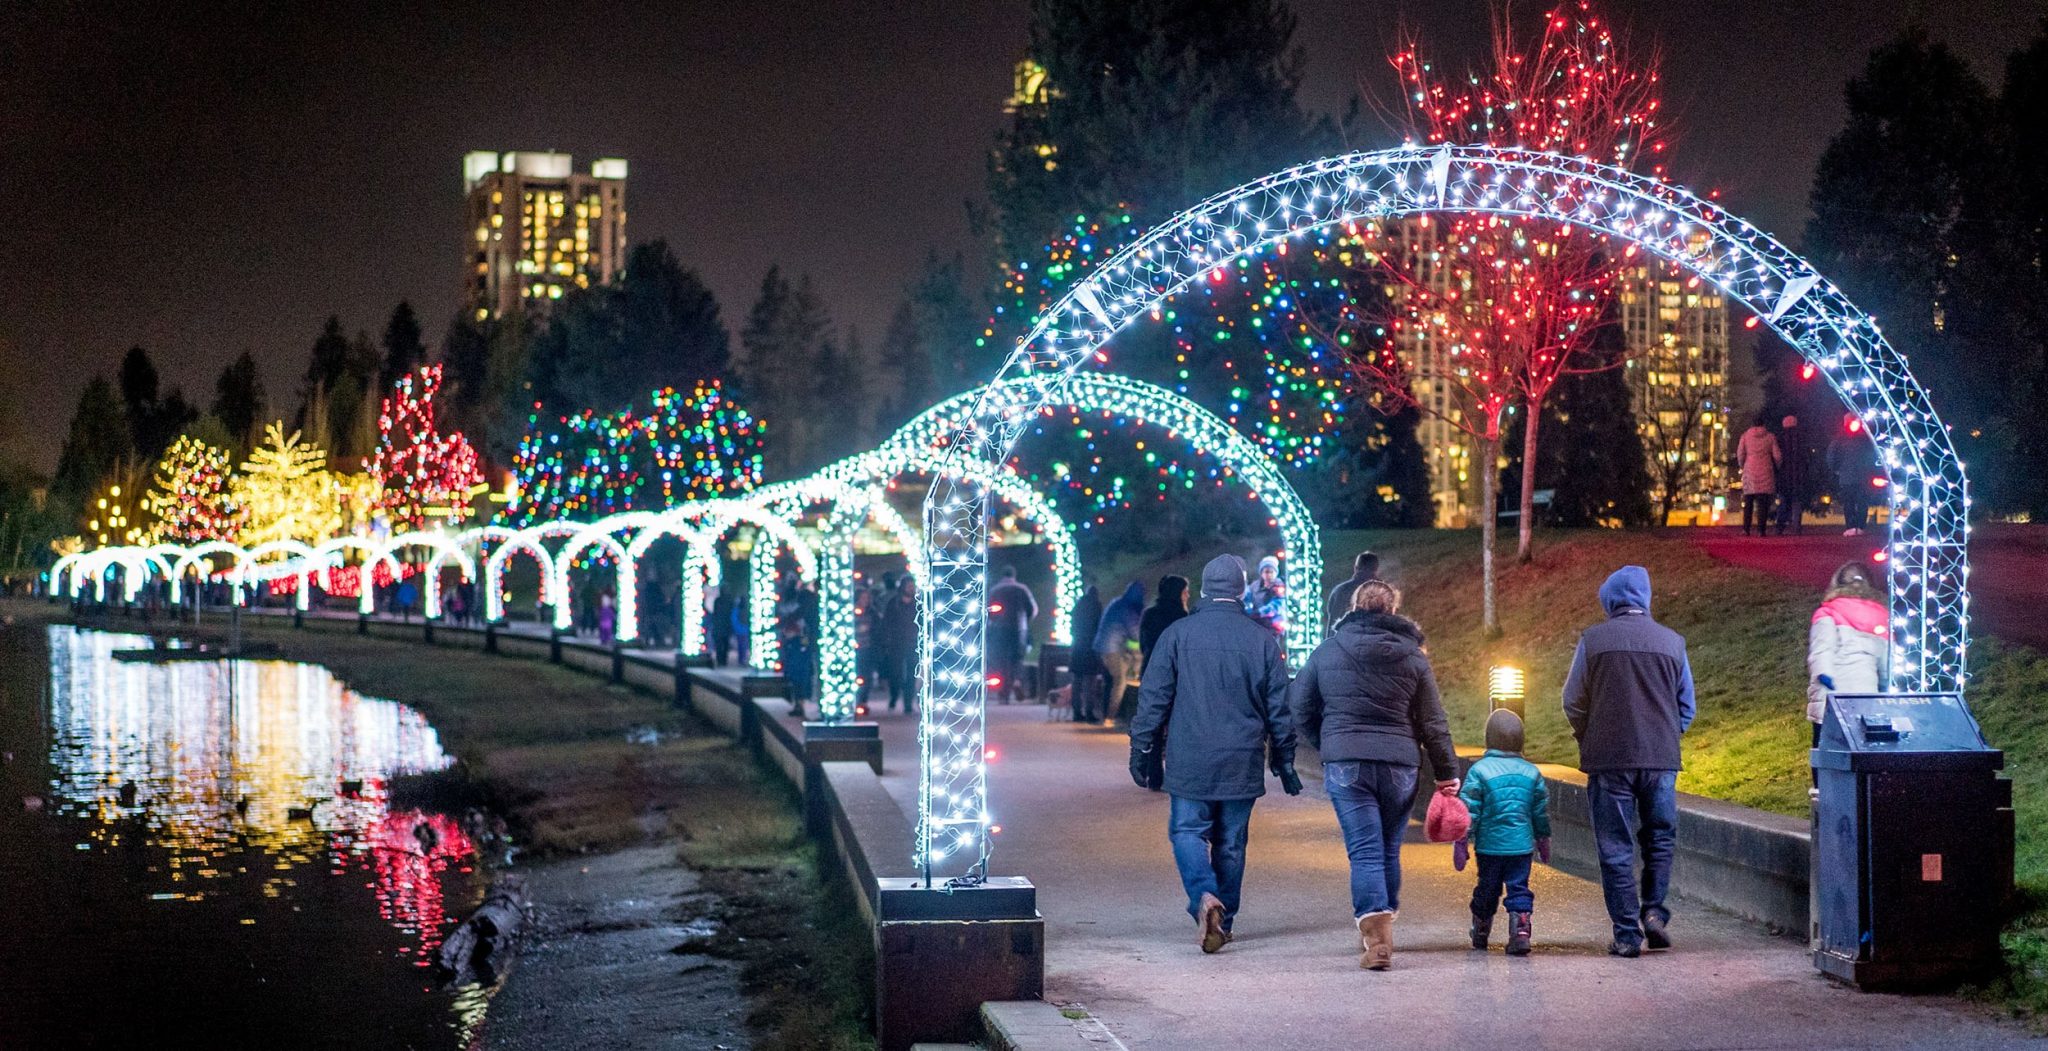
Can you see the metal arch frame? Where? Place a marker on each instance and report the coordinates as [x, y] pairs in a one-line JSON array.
[[446, 548], [730, 512], [512, 542], [303, 565], [236, 577], [1928, 489], [333, 548], [1301, 544]]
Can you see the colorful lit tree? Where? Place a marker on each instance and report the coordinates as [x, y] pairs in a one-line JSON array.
[[287, 492], [692, 446], [425, 475], [1488, 312], [193, 498]]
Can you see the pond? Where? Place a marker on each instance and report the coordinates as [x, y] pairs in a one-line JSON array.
[[206, 854]]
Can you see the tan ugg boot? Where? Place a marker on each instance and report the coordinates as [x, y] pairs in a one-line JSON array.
[[1376, 934], [1213, 936]]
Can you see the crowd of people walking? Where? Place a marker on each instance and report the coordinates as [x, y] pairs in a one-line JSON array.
[[1777, 475]]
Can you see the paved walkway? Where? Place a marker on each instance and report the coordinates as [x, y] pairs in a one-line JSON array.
[[1119, 943]]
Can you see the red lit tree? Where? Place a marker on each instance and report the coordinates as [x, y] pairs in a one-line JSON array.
[[1489, 311], [424, 475]]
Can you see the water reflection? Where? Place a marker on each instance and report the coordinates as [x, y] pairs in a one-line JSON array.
[[211, 760]]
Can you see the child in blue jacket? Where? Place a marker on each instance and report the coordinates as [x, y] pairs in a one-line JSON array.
[[1510, 806]]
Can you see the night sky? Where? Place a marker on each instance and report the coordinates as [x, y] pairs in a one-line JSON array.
[[202, 189]]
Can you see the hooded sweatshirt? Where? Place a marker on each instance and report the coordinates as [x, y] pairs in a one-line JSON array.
[[1368, 693], [1629, 694], [1120, 622], [1850, 643], [1217, 689]]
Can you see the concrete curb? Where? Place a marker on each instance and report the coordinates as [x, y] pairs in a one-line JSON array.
[[1034, 1025]]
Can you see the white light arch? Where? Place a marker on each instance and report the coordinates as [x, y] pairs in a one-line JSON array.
[[334, 548], [1207, 434], [304, 563], [195, 553], [512, 542], [731, 512], [445, 549], [1928, 491]]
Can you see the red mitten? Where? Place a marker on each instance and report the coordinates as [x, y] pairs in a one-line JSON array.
[[1448, 819], [1461, 852], [1543, 849]]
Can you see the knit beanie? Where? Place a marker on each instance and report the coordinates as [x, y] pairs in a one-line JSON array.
[[1504, 731], [1223, 578]]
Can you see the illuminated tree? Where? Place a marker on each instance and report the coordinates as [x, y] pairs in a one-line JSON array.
[[286, 491], [688, 446], [193, 498], [425, 474], [1490, 311]]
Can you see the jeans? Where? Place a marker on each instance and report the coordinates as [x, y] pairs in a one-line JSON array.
[[1791, 514], [1855, 506], [1499, 872], [1757, 507], [1208, 838], [1372, 800], [1631, 809]]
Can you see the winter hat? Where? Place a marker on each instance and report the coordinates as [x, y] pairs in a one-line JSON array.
[[1448, 820], [1504, 731], [1223, 578], [1269, 561]]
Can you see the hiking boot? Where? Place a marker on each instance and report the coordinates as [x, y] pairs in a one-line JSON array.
[[1376, 935], [1519, 924], [1626, 948], [1482, 929], [1654, 934], [1214, 937]]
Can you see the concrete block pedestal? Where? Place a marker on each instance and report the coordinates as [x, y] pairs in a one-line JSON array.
[[942, 953], [834, 743]]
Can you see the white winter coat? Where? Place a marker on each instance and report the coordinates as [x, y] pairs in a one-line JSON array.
[[1850, 643], [1758, 455]]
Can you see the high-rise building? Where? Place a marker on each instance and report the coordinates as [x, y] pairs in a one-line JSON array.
[[1414, 246], [1677, 331], [538, 228]]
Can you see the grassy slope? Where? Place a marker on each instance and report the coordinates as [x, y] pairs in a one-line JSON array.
[[1746, 636]]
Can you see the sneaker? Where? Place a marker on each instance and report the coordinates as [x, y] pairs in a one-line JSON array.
[[1654, 934], [1627, 949]]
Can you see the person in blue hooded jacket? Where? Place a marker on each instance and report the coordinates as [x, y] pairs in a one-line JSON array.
[[1628, 697], [1116, 646]]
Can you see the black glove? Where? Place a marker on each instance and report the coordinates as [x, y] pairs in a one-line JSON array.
[[1290, 782], [1145, 769]]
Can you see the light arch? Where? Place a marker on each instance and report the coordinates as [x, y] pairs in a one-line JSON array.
[[1927, 558], [334, 548]]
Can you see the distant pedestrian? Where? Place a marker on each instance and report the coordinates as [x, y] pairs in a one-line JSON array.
[[407, 594], [1363, 568], [1794, 488], [1116, 647], [1848, 645], [1266, 599], [1853, 462], [1082, 667], [898, 644], [1216, 692], [1758, 454], [1628, 698], [1011, 608], [721, 621], [1510, 805], [1367, 702], [607, 619], [1169, 607]]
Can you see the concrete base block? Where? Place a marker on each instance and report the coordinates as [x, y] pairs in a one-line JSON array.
[[932, 974], [764, 686]]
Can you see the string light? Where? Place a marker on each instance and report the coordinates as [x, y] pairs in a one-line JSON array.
[[191, 500], [424, 475], [692, 446]]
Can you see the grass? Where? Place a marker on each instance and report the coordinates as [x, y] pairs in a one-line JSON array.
[[549, 749], [1746, 638]]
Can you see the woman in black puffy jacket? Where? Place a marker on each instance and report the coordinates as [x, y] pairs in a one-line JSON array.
[[1367, 702]]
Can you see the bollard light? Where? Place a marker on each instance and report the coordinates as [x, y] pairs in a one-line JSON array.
[[1505, 688]]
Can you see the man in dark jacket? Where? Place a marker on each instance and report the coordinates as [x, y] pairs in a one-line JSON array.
[[1082, 666], [1852, 460], [1628, 697], [1116, 648], [1363, 568], [1216, 691], [1163, 613]]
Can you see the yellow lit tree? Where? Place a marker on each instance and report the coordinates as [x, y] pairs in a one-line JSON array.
[[192, 500], [287, 492]]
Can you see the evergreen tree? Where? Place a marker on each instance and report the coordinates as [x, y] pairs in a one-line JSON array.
[[287, 492], [404, 349], [1593, 460], [139, 383], [782, 342], [1374, 474], [1153, 104], [97, 442], [329, 361], [238, 401], [904, 369], [1897, 201], [931, 349], [671, 327], [192, 500]]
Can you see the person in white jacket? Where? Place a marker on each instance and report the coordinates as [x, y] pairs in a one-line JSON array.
[[1758, 454], [1848, 648]]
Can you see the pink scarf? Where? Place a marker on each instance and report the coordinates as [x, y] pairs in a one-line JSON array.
[[1862, 614]]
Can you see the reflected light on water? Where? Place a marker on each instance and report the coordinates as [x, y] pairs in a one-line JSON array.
[[210, 760]]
